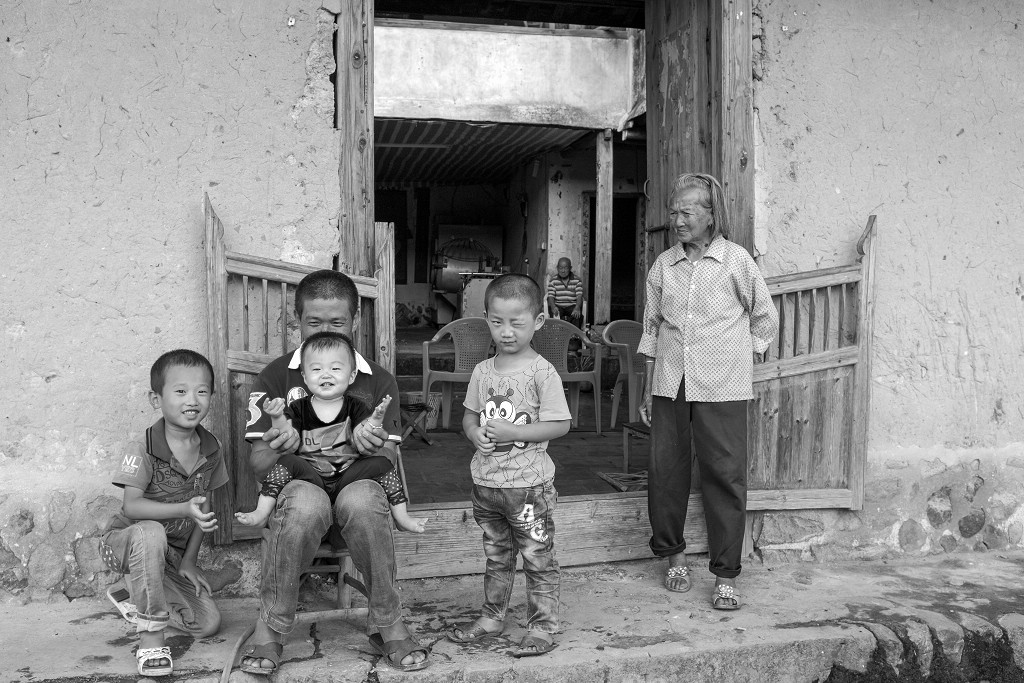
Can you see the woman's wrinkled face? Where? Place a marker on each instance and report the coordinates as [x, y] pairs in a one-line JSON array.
[[691, 221]]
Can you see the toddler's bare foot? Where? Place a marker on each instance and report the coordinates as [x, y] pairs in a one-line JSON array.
[[403, 521], [259, 516]]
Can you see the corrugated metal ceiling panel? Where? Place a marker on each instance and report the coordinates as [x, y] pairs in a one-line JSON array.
[[412, 152]]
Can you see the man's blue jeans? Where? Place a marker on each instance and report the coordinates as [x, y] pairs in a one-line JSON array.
[[295, 530], [519, 520], [162, 596]]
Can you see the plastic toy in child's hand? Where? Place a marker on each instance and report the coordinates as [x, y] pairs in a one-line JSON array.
[[376, 421]]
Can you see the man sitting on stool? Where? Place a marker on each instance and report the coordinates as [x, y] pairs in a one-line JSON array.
[[565, 294]]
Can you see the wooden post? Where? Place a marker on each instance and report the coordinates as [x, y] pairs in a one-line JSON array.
[[862, 375], [733, 113], [219, 419], [384, 306], [354, 120], [602, 294]]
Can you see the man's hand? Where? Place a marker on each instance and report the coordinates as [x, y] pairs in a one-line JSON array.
[[479, 437], [195, 575], [207, 521], [282, 441], [368, 438]]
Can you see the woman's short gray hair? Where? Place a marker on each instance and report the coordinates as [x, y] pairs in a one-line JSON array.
[[713, 199]]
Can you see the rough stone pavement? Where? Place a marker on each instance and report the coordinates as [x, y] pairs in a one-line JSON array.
[[938, 618]]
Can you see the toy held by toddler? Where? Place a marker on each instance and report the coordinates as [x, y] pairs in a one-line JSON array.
[[326, 420]]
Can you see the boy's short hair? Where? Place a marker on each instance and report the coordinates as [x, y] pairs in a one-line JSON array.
[[183, 358], [515, 286], [327, 284], [328, 341]]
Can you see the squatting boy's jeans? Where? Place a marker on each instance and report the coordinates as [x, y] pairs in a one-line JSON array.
[[162, 596], [519, 520], [295, 530]]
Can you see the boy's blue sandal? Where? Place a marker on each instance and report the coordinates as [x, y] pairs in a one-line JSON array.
[[269, 651], [725, 597], [532, 646], [394, 651], [677, 579], [148, 655]]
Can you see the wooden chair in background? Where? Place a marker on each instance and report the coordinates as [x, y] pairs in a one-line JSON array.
[[552, 341]]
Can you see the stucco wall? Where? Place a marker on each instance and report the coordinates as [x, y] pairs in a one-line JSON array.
[[911, 111], [114, 123]]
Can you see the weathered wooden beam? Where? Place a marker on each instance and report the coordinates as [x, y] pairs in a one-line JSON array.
[[219, 418], [602, 294], [862, 376], [733, 114], [384, 306], [588, 529], [354, 121]]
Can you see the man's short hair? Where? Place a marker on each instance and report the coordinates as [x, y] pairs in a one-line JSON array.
[[327, 284], [515, 286], [179, 358], [328, 341]]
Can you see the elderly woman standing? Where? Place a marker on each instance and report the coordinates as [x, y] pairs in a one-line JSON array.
[[708, 312]]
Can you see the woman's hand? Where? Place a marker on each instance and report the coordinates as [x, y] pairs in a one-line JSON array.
[[645, 408]]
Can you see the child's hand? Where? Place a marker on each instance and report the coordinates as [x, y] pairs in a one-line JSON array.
[[196, 576], [479, 438], [207, 521], [274, 407], [500, 431]]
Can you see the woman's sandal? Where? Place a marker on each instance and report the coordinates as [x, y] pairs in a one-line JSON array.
[[268, 651], [532, 646], [394, 651], [145, 655], [678, 574], [725, 597], [472, 634]]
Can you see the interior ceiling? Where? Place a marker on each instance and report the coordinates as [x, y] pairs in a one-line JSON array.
[[413, 152], [614, 13]]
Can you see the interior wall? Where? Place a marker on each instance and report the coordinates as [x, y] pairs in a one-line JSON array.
[[571, 180]]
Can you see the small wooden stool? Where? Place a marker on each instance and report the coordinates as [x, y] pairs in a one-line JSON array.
[[414, 415], [339, 563], [632, 430]]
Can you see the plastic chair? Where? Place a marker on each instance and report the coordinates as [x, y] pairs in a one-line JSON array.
[[552, 342], [624, 337], [472, 339]]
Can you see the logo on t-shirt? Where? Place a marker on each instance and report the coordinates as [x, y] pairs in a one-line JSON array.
[[294, 394], [130, 464], [501, 407]]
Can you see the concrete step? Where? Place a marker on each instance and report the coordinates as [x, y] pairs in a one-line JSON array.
[[923, 619]]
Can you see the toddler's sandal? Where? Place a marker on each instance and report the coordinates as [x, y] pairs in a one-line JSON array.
[[146, 656]]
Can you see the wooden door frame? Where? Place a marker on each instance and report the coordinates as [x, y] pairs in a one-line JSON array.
[[709, 105]]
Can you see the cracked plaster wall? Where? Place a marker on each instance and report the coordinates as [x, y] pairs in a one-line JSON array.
[[911, 111], [115, 120]]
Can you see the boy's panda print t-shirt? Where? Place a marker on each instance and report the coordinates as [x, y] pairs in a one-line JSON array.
[[521, 397]]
